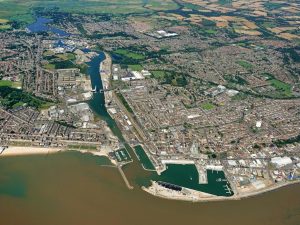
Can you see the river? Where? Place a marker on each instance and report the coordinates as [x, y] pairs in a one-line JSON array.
[[78, 189]]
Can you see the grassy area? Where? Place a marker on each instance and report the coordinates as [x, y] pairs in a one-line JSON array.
[[3, 21], [143, 157], [5, 83], [158, 74], [135, 67], [207, 106], [48, 53], [233, 80], [124, 102], [170, 77], [283, 88], [5, 26], [66, 56], [49, 66], [63, 61], [11, 97], [8, 83], [161, 5], [21, 10], [239, 97], [245, 64], [191, 6], [210, 31], [129, 54]]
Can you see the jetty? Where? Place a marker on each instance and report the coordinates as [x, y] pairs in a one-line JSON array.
[[124, 177]]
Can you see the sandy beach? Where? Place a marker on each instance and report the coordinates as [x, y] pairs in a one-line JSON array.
[[15, 151], [19, 151]]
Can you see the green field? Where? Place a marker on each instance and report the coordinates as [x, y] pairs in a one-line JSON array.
[[158, 74], [207, 106], [143, 157], [283, 88], [170, 77], [129, 54], [245, 64], [5, 26], [66, 56], [8, 83], [135, 67], [22, 11]]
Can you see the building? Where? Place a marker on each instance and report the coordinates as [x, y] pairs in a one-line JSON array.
[[281, 161], [67, 77]]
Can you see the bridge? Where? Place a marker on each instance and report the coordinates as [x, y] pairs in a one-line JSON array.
[[95, 90]]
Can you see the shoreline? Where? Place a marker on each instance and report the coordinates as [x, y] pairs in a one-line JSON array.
[[154, 189], [214, 198], [22, 151], [11, 151]]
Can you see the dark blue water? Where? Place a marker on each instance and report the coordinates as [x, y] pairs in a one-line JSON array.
[[97, 103], [41, 25]]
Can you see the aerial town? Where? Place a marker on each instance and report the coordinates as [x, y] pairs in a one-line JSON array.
[[221, 92]]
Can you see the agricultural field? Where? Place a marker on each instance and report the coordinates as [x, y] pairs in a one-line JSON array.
[[22, 10], [4, 24]]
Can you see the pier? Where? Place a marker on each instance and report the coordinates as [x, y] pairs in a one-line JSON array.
[[124, 177], [202, 174]]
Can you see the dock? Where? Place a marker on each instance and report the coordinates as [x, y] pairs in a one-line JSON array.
[[202, 174]]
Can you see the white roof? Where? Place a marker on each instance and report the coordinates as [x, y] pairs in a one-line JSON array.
[[137, 75], [71, 100], [112, 110], [232, 162], [281, 161], [193, 116], [232, 92], [258, 123]]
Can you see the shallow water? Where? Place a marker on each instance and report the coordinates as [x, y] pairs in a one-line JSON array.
[[72, 188]]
